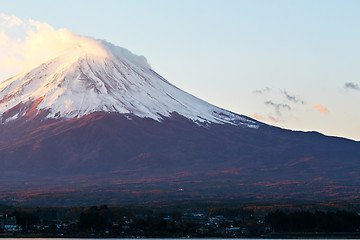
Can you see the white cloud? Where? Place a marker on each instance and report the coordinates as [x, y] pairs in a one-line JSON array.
[[10, 21], [26, 44], [3, 38]]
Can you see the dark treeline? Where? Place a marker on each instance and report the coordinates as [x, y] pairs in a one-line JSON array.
[[99, 219], [128, 221], [229, 212], [318, 221]]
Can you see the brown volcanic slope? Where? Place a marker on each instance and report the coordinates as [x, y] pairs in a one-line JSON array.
[[108, 158]]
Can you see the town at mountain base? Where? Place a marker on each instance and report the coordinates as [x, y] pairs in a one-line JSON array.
[[181, 221]]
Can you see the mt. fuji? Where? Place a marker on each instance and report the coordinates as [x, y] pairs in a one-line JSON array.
[[95, 124], [81, 81]]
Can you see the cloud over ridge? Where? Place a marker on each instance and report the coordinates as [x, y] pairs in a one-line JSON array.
[[26, 44]]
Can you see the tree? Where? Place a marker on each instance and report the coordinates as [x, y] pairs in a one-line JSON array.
[[91, 220], [26, 220]]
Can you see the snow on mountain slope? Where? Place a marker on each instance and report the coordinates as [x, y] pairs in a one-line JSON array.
[[86, 79]]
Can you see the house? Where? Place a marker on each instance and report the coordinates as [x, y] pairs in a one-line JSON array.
[[232, 229], [8, 223], [7, 220], [12, 228]]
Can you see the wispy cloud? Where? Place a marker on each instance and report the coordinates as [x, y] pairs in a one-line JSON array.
[[258, 117], [352, 85], [262, 91], [291, 98], [263, 118], [274, 119], [278, 106], [321, 108]]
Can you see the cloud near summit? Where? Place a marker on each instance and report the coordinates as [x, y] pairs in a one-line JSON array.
[[6, 20], [26, 44]]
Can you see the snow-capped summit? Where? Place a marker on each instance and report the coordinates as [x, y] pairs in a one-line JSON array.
[[96, 76]]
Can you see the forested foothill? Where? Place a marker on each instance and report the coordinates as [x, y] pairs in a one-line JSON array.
[[318, 221]]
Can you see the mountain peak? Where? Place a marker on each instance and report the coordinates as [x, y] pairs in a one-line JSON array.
[[97, 76], [99, 50]]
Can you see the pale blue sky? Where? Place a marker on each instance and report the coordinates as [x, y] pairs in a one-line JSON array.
[[223, 51]]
